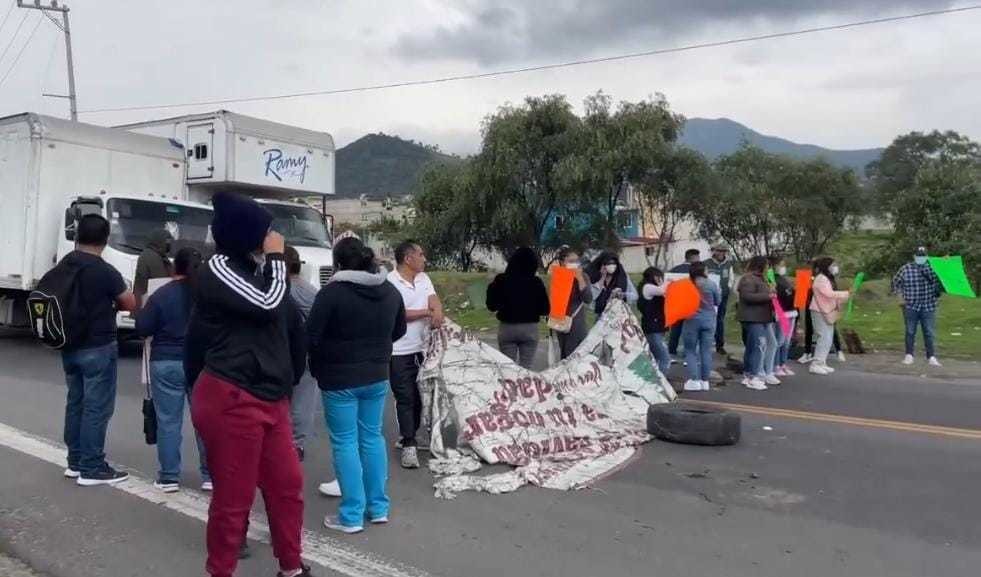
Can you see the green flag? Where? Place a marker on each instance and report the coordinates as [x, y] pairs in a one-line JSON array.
[[859, 279], [770, 276], [951, 272]]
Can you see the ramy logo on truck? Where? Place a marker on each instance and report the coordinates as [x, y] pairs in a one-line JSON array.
[[283, 167]]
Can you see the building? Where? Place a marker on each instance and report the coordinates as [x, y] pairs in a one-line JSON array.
[[369, 209]]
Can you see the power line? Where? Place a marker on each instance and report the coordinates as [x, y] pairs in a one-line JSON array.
[[7, 15], [526, 69], [14, 37], [21, 52]]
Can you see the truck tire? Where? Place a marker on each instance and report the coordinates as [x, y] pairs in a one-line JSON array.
[[693, 425]]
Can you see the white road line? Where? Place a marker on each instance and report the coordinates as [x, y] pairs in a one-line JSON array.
[[318, 549]]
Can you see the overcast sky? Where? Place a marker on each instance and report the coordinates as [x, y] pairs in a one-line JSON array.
[[846, 89]]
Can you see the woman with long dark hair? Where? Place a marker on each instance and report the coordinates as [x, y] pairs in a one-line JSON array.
[[825, 310], [164, 318], [609, 280], [581, 296], [651, 306], [520, 300]]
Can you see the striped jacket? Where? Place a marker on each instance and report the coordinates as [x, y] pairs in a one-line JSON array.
[[245, 328]]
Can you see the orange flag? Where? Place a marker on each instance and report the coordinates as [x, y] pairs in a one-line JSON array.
[[803, 286], [681, 300], [560, 291]]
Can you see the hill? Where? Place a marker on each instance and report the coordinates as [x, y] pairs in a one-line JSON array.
[[382, 165], [718, 136]]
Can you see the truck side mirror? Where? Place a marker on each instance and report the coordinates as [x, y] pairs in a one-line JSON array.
[[71, 223]]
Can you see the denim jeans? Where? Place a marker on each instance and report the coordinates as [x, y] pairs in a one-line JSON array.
[[772, 343], [755, 349], [169, 388], [91, 378], [354, 419], [303, 408], [660, 351], [699, 334], [926, 319], [783, 343], [720, 321]]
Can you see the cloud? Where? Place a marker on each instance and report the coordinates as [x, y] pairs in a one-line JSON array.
[[501, 31]]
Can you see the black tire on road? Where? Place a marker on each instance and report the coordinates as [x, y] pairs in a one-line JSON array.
[[693, 425]]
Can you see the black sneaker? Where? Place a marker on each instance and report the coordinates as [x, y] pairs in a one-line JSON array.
[[244, 552], [107, 476], [304, 573], [300, 453]]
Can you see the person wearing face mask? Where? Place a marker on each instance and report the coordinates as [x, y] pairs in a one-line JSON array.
[[651, 307], [720, 266], [825, 310], [609, 280], [919, 290], [785, 296], [581, 296]]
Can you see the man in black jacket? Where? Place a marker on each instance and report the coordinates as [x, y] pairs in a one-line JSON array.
[[247, 336]]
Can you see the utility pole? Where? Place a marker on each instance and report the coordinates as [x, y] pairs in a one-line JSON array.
[[64, 27]]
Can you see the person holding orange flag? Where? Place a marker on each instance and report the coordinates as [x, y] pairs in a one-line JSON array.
[[578, 295]]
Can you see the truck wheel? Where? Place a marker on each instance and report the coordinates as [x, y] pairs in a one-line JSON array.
[[693, 425]]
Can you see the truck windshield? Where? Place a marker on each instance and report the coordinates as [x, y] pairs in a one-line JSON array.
[[299, 225], [133, 221]]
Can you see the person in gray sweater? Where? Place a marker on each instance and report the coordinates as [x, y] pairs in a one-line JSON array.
[[755, 313]]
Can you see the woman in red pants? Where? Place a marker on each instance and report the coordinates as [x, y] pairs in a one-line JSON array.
[[245, 344]]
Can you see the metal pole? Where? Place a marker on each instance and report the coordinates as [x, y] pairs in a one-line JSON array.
[[71, 68]]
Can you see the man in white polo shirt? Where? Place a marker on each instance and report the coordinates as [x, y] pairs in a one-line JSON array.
[[422, 310]]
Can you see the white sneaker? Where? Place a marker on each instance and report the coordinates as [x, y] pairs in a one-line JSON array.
[[410, 458], [805, 358], [933, 362], [787, 372], [706, 386], [691, 385], [378, 520], [71, 473], [207, 486], [828, 368], [332, 522], [756, 384], [816, 369], [908, 360], [331, 489], [841, 356], [771, 380], [167, 486]]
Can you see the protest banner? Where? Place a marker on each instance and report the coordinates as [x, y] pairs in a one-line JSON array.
[[562, 428], [681, 299], [802, 286], [856, 284], [560, 291], [950, 270]]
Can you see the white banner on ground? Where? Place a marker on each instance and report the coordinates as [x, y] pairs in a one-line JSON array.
[[562, 428]]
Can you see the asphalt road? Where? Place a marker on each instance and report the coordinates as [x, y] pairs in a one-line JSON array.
[[797, 496]]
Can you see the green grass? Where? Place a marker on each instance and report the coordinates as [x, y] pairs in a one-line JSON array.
[[876, 317]]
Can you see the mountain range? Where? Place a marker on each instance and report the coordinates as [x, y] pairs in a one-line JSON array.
[[380, 165]]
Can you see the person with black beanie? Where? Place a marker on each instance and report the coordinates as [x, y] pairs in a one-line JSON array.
[[520, 300], [246, 351], [609, 281]]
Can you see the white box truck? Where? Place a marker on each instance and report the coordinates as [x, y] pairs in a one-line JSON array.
[[52, 171], [277, 164]]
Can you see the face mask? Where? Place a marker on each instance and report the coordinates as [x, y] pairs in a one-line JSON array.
[[572, 265], [610, 268], [781, 270], [833, 269], [920, 259]]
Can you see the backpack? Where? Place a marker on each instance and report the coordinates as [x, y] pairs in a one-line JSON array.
[[55, 307]]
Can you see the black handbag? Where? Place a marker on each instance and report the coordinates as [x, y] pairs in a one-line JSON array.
[[149, 411]]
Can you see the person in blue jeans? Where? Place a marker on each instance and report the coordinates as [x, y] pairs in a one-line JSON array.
[[354, 321], [699, 330], [755, 313], [164, 318], [90, 360], [651, 306], [919, 290]]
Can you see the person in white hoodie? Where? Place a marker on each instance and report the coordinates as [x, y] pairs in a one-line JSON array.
[[825, 310]]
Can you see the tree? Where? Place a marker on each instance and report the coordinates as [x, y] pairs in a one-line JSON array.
[[451, 220], [673, 194], [614, 149], [515, 171], [896, 170]]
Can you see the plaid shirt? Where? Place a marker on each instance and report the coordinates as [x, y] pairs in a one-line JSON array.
[[918, 285]]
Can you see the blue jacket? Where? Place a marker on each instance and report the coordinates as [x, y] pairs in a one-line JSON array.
[[164, 317]]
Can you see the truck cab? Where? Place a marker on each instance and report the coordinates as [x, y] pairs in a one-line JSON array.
[[132, 219], [308, 231]]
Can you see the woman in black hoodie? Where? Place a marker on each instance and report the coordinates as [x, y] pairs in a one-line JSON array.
[[519, 298], [354, 321]]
